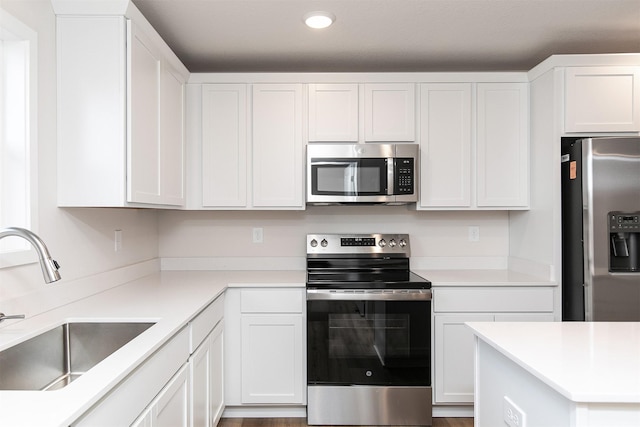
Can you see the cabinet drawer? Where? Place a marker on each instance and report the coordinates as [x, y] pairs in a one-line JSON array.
[[272, 300], [503, 299], [204, 322]]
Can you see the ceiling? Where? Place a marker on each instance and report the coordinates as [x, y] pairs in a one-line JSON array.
[[390, 35]]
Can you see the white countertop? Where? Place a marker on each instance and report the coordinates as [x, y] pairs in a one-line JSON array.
[[481, 278], [170, 298], [583, 361]]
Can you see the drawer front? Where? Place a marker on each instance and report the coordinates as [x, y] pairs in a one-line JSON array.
[[502, 299], [204, 322], [273, 300]]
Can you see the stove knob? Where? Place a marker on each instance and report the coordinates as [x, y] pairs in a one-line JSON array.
[[324, 243], [314, 243], [382, 243], [392, 243], [403, 243]]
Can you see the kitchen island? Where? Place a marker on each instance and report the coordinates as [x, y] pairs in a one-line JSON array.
[[549, 374]]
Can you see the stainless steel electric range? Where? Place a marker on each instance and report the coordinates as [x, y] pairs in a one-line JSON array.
[[368, 332]]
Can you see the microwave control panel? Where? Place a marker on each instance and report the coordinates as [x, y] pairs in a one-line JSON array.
[[404, 173]]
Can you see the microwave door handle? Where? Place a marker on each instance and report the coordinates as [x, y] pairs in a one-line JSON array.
[[331, 163], [390, 175]]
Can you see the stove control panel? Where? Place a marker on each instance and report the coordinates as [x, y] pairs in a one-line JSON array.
[[358, 244]]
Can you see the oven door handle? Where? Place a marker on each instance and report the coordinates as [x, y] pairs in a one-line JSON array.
[[370, 295]]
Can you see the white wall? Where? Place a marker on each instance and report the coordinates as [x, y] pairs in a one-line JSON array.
[[81, 240], [534, 233], [229, 234]]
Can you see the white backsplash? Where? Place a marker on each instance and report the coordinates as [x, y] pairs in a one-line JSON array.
[[211, 235]]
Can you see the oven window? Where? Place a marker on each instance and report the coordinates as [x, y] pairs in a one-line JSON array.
[[349, 177], [369, 342]]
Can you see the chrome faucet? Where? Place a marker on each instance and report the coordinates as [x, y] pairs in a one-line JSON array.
[[10, 316], [49, 266]]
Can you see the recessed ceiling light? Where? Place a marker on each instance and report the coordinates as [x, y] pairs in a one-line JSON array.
[[319, 19]]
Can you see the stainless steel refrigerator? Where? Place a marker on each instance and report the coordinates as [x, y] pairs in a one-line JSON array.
[[601, 229]]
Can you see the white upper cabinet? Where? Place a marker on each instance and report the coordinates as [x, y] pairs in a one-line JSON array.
[[463, 166], [389, 112], [172, 133], [277, 146], [503, 145], [333, 112], [120, 114], [255, 163], [602, 99], [143, 156], [445, 145], [224, 145]]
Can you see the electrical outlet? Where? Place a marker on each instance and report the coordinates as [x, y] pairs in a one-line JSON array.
[[512, 414], [117, 239], [257, 235], [474, 233]]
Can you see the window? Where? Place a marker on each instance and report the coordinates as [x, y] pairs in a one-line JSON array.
[[18, 131]]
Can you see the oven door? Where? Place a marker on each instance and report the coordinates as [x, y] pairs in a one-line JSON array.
[[358, 337], [350, 179]]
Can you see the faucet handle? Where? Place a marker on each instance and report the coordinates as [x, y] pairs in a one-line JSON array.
[[11, 316]]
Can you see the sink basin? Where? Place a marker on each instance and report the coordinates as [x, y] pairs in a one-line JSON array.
[[55, 358]]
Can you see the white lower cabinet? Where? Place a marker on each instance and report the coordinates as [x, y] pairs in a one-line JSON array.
[[171, 407], [140, 391], [265, 352], [207, 380], [453, 341], [181, 385], [454, 357], [272, 359]]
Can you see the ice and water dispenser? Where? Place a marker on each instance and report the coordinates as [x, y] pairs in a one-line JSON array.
[[624, 237]]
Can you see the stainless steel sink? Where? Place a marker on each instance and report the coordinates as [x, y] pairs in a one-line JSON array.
[[56, 357]]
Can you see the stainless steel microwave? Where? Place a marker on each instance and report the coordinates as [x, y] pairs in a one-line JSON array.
[[362, 173]]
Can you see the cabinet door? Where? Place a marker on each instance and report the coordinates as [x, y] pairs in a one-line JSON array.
[[200, 372], [224, 145], [272, 359], [217, 374], [172, 137], [333, 112], [91, 85], [143, 124], [602, 99], [445, 145], [389, 112], [144, 420], [207, 381], [171, 409], [454, 357], [277, 147], [502, 145]]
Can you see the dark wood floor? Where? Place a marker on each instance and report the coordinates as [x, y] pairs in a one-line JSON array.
[[302, 422]]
